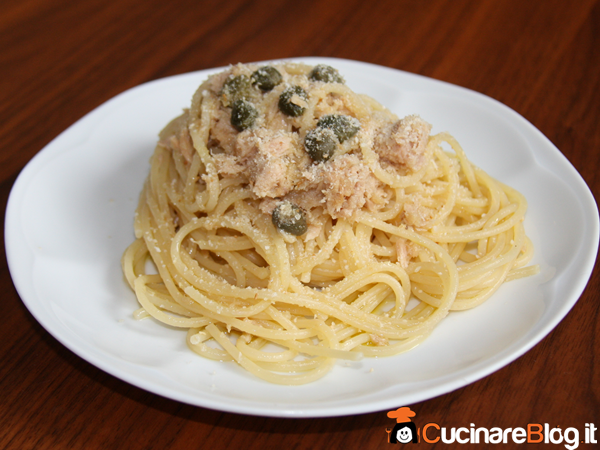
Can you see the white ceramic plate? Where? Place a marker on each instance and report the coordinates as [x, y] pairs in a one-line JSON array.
[[70, 217]]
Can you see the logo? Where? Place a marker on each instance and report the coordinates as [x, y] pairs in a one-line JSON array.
[[404, 431]]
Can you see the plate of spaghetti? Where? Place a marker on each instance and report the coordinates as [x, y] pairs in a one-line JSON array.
[[300, 238]]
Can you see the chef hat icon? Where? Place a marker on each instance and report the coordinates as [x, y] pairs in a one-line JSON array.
[[402, 414]]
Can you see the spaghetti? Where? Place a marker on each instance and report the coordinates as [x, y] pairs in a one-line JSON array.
[[293, 222]]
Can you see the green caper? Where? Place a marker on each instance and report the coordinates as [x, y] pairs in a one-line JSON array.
[[289, 218], [291, 101], [266, 78], [320, 143], [243, 114], [235, 88], [344, 127], [325, 73]]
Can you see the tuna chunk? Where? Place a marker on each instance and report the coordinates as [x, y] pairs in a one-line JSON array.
[[403, 143], [348, 184], [270, 161]]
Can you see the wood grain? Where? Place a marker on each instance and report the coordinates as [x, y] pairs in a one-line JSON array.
[[61, 59]]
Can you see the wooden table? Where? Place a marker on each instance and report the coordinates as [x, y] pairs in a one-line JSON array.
[[61, 59]]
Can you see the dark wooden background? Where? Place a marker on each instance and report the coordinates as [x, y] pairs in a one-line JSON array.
[[61, 59]]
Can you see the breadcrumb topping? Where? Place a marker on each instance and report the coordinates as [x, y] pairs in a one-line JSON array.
[[270, 155]]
